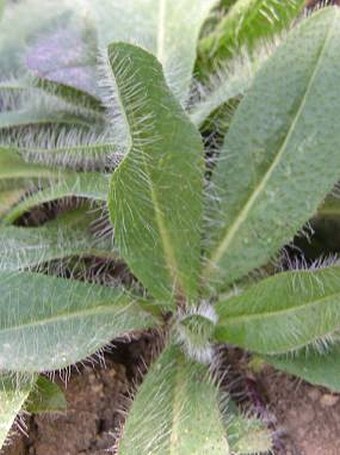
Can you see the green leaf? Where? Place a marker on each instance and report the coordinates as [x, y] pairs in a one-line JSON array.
[[46, 396], [282, 313], [22, 247], [47, 323], [246, 23], [175, 412], [247, 435], [155, 199], [234, 81], [166, 28], [282, 140], [14, 391], [314, 367], [330, 207], [42, 117], [89, 185], [15, 173], [70, 94]]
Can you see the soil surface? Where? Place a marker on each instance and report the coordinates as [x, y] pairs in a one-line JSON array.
[[305, 419]]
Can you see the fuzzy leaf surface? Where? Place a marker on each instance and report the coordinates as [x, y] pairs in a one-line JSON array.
[[16, 173], [175, 412], [89, 185], [245, 24], [282, 313], [282, 139], [155, 197], [46, 396], [314, 367], [166, 28], [47, 323], [23, 247], [13, 393]]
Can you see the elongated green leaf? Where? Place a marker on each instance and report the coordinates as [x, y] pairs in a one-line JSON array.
[[246, 23], [70, 94], [15, 173], [282, 140], [9, 198], [22, 248], [46, 396], [175, 412], [14, 390], [314, 367], [48, 323], [283, 312], [155, 198], [233, 81], [89, 185], [166, 28], [36, 117]]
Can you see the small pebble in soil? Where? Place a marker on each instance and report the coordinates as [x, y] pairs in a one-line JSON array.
[[328, 400]]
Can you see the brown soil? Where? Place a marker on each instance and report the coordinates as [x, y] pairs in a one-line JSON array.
[[306, 419]]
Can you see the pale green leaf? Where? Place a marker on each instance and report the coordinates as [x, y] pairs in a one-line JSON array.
[[282, 313], [246, 23], [283, 139], [166, 28], [175, 412], [89, 185], [23, 247], [46, 396], [247, 435], [14, 391], [155, 199], [15, 173], [47, 323], [312, 366]]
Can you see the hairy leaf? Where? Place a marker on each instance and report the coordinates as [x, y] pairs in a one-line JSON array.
[[48, 323], [89, 185], [312, 366], [155, 198], [231, 82], [282, 140], [46, 396], [175, 411], [166, 28], [15, 173], [14, 391], [22, 247], [245, 24], [282, 313]]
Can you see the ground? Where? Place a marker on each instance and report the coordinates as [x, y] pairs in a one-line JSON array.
[[306, 419]]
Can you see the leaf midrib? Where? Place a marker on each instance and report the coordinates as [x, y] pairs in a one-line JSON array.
[[242, 216], [66, 316], [273, 314]]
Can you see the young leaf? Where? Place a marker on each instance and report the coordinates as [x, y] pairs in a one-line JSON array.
[[46, 396], [47, 323], [22, 248], [159, 25], [282, 139], [282, 313], [155, 197], [175, 411], [14, 169], [246, 23], [14, 391], [89, 185], [312, 366]]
